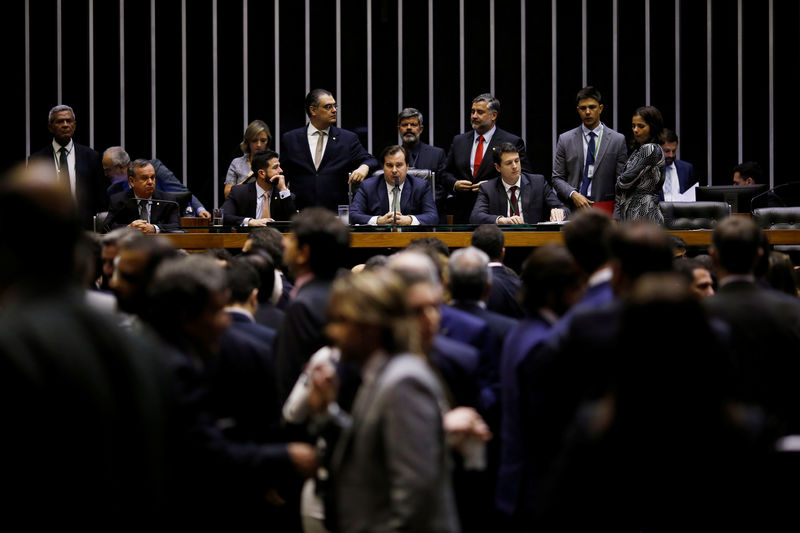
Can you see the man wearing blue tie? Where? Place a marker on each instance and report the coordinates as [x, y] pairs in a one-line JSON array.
[[589, 158]]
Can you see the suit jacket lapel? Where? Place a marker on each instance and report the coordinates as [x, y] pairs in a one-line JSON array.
[[602, 149], [405, 197], [486, 170], [502, 198], [330, 147], [578, 147], [383, 198], [529, 200]]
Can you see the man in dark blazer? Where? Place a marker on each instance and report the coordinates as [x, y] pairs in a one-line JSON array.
[[765, 324], [680, 174], [373, 203], [142, 206], [321, 159], [78, 166], [579, 177], [420, 155], [460, 177], [515, 197], [314, 251], [115, 167], [266, 199], [505, 282]]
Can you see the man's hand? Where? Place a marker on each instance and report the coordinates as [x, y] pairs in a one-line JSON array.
[[204, 214], [466, 186], [279, 181], [358, 174], [463, 422], [324, 387], [580, 200], [259, 221], [142, 226], [388, 218], [304, 458], [516, 219], [556, 215]]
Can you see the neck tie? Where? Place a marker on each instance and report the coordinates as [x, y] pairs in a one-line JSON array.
[[478, 156], [512, 193], [395, 199], [318, 152], [143, 209], [262, 209], [63, 168], [668, 185], [589, 161]]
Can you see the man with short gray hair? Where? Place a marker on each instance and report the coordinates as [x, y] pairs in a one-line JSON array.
[[76, 166], [470, 162]]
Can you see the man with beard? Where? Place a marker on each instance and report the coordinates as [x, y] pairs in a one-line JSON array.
[[680, 174]]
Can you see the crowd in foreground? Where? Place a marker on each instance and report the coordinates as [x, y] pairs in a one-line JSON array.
[[603, 386]]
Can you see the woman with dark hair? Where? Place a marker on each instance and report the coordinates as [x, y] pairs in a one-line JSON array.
[[256, 138], [639, 184]]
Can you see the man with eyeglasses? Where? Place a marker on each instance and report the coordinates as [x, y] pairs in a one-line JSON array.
[[321, 160], [589, 158]]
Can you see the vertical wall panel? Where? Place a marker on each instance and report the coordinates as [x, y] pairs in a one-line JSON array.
[[146, 108]]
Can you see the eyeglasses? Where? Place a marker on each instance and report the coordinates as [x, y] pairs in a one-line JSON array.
[[329, 106]]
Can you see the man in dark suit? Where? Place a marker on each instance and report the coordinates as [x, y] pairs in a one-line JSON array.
[[395, 197], [79, 167], [469, 163], [765, 323], [321, 159], [582, 176], [115, 167], [314, 251], [266, 199], [143, 207], [505, 282], [420, 155], [551, 281], [515, 197], [680, 174]]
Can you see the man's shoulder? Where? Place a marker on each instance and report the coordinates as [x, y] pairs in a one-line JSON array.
[[122, 195], [574, 132], [45, 151], [416, 183], [428, 148], [680, 164], [242, 190], [505, 136], [86, 150], [613, 134], [531, 179]]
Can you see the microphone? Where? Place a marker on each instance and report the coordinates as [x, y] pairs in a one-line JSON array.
[[397, 185]]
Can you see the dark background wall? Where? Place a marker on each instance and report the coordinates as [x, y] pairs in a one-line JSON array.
[[186, 100]]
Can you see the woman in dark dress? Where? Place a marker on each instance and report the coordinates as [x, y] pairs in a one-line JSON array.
[[639, 184]]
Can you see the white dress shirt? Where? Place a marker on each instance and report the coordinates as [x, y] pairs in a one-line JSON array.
[[70, 162], [389, 186], [508, 197], [311, 133]]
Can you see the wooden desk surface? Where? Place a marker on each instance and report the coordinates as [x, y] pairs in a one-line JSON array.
[[200, 241]]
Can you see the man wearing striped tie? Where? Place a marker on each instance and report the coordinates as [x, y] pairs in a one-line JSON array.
[[394, 198]]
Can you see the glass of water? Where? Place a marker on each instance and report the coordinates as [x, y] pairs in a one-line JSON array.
[[217, 216], [344, 213]]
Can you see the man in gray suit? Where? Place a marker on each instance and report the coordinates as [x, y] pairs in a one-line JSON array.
[[589, 158], [389, 466]]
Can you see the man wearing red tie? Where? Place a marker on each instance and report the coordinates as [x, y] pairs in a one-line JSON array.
[[470, 163]]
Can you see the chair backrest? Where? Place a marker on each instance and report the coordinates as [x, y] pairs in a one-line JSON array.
[[777, 217], [693, 215], [100, 222], [423, 173]]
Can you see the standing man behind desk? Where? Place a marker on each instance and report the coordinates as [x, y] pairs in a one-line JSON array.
[[142, 206], [582, 176], [680, 174], [265, 200], [515, 197], [78, 166], [395, 197], [322, 159], [469, 162], [420, 155]]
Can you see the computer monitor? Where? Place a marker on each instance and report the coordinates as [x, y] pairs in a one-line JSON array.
[[737, 196]]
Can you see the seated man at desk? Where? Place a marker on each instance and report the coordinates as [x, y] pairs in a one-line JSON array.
[[395, 197], [142, 206], [265, 200], [515, 197]]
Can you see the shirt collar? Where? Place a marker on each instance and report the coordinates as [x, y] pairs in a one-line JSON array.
[[260, 191], [56, 147], [486, 136], [517, 184], [240, 311], [597, 131], [311, 131], [601, 276]]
